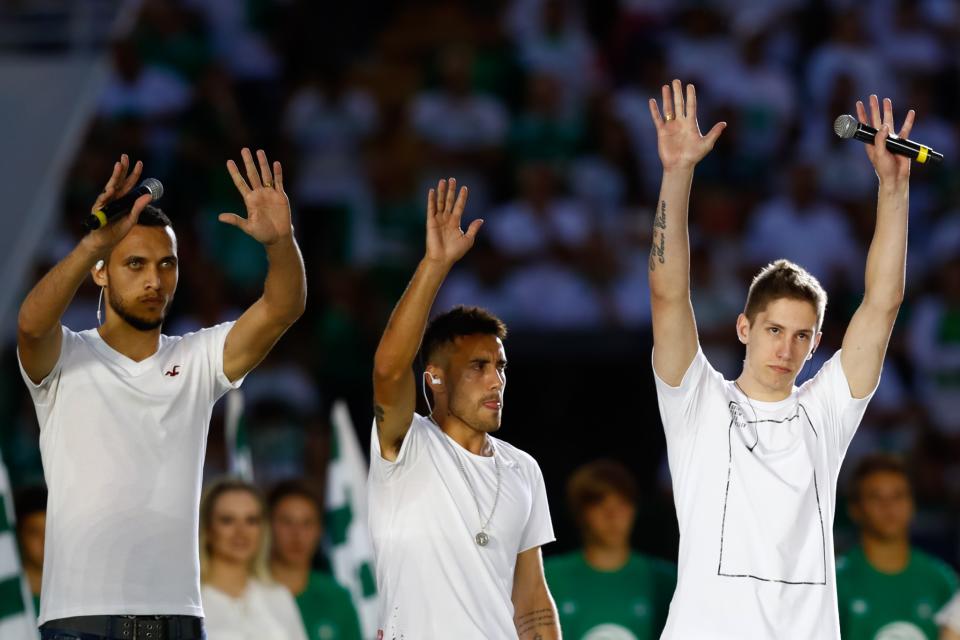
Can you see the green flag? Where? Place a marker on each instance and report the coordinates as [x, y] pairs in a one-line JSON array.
[[349, 547], [17, 618]]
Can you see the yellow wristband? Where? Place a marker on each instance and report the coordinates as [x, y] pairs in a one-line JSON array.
[[922, 154]]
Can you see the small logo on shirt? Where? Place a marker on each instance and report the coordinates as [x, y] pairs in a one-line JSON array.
[[173, 372]]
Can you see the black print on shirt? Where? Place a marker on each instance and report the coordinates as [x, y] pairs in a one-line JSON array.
[[756, 541]]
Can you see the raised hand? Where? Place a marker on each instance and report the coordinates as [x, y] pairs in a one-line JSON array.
[[446, 242], [268, 209], [679, 141], [121, 181], [890, 168]]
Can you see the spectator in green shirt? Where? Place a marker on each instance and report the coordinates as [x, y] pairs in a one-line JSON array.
[[886, 588], [605, 590], [326, 607]]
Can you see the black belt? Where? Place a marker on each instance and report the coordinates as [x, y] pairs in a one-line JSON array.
[[132, 627]]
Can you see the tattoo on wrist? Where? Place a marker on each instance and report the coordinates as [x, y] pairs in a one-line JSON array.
[[378, 413], [531, 622]]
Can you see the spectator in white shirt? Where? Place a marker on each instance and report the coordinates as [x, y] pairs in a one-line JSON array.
[[240, 600]]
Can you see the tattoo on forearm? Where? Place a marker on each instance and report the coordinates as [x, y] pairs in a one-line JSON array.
[[659, 237], [660, 220], [530, 622], [378, 413]]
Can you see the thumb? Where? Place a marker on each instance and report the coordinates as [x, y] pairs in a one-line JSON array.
[[880, 140], [473, 228], [233, 220], [714, 133], [139, 205]]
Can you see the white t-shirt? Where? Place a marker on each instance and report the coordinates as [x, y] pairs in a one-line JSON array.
[[434, 580], [755, 491], [123, 444], [263, 612]]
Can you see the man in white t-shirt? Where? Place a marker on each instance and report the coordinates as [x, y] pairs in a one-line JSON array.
[[457, 516], [124, 411], [754, 461]]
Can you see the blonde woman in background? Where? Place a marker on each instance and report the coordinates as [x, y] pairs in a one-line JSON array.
[[240, 601]]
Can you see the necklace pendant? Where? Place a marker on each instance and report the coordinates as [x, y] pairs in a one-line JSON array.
[[482, 539]]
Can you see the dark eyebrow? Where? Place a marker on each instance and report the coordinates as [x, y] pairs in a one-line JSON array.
[[480, 361]]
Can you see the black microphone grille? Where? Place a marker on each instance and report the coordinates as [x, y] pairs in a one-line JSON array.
[[154, 187], [845, 126]]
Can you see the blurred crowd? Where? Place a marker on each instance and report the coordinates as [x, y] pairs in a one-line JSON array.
[[540, 107]]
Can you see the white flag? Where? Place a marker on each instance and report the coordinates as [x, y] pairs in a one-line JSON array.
[[18, 620], [239, 457], [349, 547]]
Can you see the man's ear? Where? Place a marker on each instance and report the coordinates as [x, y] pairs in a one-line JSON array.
[[99, 273], [743, 329], [816, 344]]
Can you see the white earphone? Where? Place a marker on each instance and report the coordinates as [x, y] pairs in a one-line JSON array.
[[434, 379], [99, 266]]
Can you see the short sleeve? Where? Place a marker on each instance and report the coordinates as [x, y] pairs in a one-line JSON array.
[[207, 344], [46, 391], [831, 391], [539, 528], [216, 339], [383, 469], [680, 406]]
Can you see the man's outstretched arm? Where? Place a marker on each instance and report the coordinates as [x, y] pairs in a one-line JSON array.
[[284, 296], [865, 342], [681, 147], [38, 323], [394, 386]]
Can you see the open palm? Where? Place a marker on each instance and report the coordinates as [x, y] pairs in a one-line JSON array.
[[446, 241], [679, 141], [268, 209]]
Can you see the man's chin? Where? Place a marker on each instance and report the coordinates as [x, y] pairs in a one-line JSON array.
[[144, 324]]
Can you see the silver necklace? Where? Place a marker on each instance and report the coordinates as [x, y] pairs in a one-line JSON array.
[[482, 538]]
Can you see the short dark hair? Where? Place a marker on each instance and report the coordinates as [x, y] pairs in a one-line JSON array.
[[875, 463], [457, 322], [784, 279], [28, 501], [152, 216], [594, 481], [294, 487]]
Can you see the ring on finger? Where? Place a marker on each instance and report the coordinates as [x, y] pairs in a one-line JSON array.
[[668, 116], [268, 184]]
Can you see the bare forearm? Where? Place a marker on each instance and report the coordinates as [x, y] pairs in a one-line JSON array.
[[46, 303], [401, 339], [886, 258], [285, 288], [539, 622], [670, 252]]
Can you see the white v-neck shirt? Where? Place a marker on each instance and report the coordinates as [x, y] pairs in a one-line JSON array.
[[755, 488], [434, 580], [123, 444]]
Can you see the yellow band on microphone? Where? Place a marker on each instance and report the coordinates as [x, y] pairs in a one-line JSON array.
[[102, 217], [922, 154]]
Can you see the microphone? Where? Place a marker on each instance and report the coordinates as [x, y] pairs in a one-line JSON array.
[[846, 126], [121, 206]]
